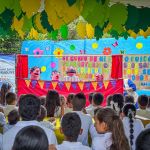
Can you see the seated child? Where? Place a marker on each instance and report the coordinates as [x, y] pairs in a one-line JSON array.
[[42, 115], [109, 99], [13, 118], [110, 136], [143, 102], [69, 107], [129, 99], [90, 100], [78, 103], [11, 99], [71, 128], [96, 102], [43, 100], [132, 126]]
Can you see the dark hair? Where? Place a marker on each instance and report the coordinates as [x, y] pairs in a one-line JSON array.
[[143, 140], [98, 98], [71, 126], [33, 68], [43, 100], [115, 126], [52, 102], [10, 98], [4, 89], [96, 110], [119, 99], [109, 99], [129, 111], [13, 117], [79, 102], [29, 107], [90, 97], [143, 100], [31, 138], [129, 99], [70, 97], [43, 113]]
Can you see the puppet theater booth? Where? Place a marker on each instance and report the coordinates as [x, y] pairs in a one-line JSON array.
[[113, 59]]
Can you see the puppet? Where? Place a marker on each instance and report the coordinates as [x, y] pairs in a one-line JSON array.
[[35, 73]]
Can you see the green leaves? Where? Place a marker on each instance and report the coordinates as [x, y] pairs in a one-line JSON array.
[[64, 31], [98, 32], [45, 23], [118, 16], [6, 19]]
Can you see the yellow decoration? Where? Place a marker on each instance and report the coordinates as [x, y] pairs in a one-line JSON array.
[[33, 34], [27, 82], [94, 84], [139, 45], [129, 65], [81, 29], [58, 52], [136, 71], [43, 68], [106, 84], [89, 31], [68, 84], [95, 45], [128, 71], [30, 7], [54, 84], [89, 70], [81, 85], [136, 65], [41, 83], [59, 12]]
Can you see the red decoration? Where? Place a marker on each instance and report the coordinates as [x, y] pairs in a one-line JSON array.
[[107, 51]]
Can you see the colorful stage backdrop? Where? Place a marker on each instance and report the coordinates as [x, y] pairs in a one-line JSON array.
[[87, 57]]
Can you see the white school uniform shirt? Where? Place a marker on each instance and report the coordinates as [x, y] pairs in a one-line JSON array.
[[66, 145], [138, 128], [91, 110], [9, 136], [8, 108], [100, 141], [86, 122]]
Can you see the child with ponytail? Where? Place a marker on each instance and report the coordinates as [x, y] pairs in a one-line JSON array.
[[132, 126], [111, 133]]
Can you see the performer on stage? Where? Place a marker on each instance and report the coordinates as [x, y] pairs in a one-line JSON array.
[[130, 89], [71, 75], [35, 73]]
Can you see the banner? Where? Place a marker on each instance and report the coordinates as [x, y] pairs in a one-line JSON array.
[[7, 70], [64, 88]]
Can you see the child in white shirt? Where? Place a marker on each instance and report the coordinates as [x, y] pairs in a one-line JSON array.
[[90, 101], [69, 107], [78, 103], [111, 133], [96, 102], [132, 126], [71, 128]]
